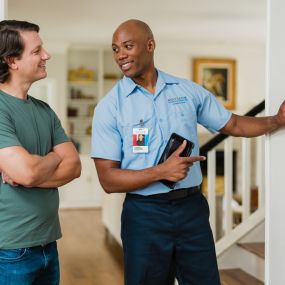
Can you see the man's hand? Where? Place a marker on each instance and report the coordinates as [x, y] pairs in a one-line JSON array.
[[175, 168], [116, 180], [280, 116], [7, 179]]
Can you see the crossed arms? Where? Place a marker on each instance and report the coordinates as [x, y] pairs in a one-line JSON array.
[[55, 169]]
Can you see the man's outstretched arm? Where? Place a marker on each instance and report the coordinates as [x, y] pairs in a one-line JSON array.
[[243, 126]]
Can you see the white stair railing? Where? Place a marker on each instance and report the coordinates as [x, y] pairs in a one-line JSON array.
[[245, 178], [243, 187], [211, 164], [228, 178]]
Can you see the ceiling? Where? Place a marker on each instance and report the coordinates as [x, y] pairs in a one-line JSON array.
[[180, 20]]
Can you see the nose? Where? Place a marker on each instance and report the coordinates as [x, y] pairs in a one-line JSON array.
[[45, 55], [121, 54]]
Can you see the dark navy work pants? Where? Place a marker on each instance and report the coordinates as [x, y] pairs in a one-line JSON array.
[[163, 239]]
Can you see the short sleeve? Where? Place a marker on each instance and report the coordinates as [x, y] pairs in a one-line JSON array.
[[210, 112], [106, 138], [59, 135], [8, 135]]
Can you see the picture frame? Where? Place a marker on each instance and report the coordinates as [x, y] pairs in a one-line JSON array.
[[219, 77]]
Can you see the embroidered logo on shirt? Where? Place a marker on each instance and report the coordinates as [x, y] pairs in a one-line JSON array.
[[178, 100]]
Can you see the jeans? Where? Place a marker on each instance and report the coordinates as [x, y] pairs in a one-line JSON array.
[[37, 265], [163, 239]]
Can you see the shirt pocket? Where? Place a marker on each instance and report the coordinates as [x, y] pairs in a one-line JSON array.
[[182, 119]]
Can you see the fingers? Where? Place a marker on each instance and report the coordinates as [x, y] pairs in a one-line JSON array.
[[197, 158], [180, 149], [3, 177], [191, 159], [6, 179]]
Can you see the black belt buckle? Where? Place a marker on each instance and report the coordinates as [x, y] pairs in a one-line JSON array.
[[169, 196], [177, 194], [181, 193]]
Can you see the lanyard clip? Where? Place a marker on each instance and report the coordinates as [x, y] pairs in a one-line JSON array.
[[141, 123]]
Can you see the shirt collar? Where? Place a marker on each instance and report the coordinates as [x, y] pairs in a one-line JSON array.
[[162, 79]]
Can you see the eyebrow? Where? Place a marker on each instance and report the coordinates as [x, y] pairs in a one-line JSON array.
[[125, 42], [37, 47]]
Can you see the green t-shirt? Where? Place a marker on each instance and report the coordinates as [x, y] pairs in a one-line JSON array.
[[28, 216]]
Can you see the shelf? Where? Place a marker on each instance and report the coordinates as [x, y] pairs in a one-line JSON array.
[[80, 118], [110, 81], [82, 83], [82, 101], [106, 74], [81, 137]]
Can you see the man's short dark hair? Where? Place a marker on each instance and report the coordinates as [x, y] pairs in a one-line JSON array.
[[11, 43]]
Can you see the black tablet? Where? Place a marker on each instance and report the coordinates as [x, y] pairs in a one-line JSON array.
[[172, 145]]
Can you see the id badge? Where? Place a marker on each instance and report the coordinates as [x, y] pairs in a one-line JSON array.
[[140, 140]]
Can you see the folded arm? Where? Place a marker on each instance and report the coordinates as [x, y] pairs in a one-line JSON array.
[[68, 169], [26, 169]]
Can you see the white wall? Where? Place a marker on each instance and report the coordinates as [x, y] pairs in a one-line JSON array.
[[57, 70], [275, 154]]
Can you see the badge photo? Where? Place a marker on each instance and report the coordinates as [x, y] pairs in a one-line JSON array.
[[140, 140]]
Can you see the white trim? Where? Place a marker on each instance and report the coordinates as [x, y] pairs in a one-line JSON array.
[[3, 9], [266, 147], [275, 195]]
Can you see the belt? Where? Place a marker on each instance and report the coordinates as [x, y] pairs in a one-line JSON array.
[[171, 195]]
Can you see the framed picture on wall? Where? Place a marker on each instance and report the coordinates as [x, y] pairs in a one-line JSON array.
[[217, 76]]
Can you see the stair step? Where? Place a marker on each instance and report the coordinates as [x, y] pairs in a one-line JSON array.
[[257, 248], [237, 276]]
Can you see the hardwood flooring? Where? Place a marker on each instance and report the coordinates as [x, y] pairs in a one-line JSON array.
[[86, 254]]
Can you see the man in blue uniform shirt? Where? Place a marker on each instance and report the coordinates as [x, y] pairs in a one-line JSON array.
[[165, 233]]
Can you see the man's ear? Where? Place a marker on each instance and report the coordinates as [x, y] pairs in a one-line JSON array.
[[11, 62], [151, 45]]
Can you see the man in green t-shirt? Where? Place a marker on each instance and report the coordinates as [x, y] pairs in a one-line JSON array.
[[36, 157]]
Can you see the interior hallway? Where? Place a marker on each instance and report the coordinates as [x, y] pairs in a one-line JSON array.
[[86, 255]]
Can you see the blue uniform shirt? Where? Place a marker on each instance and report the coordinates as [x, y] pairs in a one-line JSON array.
[[178, 105]]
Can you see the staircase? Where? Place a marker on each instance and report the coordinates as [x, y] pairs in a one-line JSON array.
[[240, 251], [237, 276]]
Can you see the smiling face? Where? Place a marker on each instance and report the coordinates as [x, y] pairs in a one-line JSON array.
[[133, 47], [31, 65]]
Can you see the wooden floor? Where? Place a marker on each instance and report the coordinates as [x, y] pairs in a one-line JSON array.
[[86, 255]]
